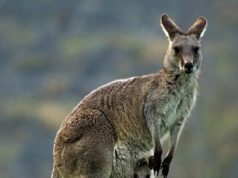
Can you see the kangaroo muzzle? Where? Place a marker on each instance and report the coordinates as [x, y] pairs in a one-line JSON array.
[[188, 66]]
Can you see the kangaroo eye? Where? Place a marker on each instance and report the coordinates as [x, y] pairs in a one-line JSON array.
[[147, 176], [135, 176], [195, 49], [177, 50]]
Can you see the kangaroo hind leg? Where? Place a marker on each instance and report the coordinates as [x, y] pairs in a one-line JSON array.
[[89, 155]]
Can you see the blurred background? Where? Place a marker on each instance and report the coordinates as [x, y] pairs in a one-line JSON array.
[[54, 52]]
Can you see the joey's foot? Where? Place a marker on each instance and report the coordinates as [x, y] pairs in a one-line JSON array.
[[154, 163], [165, 166]]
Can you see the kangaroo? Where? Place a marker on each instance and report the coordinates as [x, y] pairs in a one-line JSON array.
[[120, 123]]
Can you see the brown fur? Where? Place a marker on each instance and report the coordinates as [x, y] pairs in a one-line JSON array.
[[118, 124]]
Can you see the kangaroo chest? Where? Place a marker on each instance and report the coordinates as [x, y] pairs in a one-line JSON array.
[[175, 107]]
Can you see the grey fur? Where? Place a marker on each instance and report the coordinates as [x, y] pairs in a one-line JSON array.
[[120, 123]]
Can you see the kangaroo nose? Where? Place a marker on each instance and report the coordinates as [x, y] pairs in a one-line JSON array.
[[188, 67]]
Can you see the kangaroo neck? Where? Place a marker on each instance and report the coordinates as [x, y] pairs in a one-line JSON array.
[[175, 76]]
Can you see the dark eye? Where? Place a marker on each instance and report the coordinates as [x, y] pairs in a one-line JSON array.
[[195, 50], [147, 176], [135, 176], [177, 50]]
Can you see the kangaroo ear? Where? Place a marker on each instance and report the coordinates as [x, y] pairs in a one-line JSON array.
[[198, 28], [169, 26]]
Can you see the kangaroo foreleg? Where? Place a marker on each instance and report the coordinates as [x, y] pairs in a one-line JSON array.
[[174, 136], [155, 160]]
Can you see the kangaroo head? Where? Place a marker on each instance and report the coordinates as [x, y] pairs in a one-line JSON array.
[[183, 54]]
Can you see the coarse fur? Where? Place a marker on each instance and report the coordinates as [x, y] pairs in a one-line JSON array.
[[120, 123]]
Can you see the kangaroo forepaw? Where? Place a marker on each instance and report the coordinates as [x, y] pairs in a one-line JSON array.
[[154, 163], [165, 170], [165, 166]]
